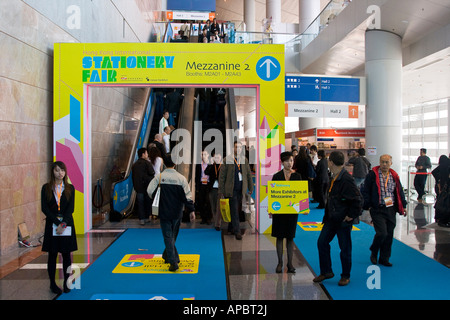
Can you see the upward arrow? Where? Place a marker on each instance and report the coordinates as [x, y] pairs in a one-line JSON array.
[[267, 62]]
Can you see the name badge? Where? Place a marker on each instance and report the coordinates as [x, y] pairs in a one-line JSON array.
[[240, 176], [216, 184], [388, 202]]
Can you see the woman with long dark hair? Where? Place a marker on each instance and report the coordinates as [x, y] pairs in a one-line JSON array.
[[57, 203]]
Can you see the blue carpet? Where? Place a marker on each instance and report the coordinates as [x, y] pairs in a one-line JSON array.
[[413, 275], [98, 281]]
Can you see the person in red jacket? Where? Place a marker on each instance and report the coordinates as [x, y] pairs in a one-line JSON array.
[[383, 195]]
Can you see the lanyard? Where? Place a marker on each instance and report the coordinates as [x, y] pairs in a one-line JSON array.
[[386, 182], [58, 195], [217, 169], [238, 164], [332, 181]]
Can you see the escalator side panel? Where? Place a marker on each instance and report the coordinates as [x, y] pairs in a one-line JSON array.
[[122, 193]]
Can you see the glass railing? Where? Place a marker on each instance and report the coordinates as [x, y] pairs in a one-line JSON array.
[[263, 37], [330, 12]]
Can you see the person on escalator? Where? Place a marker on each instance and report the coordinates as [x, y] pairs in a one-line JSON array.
[[142, 173], [220, 105], [158, 142], [173, 102], [204, 37], [205, 95], [166, 139], [164, 121], [202, 187]]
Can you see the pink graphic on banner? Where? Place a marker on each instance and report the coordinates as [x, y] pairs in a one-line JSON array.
[[66, 155]]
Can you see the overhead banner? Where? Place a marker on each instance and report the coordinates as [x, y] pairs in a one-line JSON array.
[[288, 197], [80, 66]]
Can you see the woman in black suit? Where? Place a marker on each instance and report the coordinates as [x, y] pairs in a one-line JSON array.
[[285, 225], [57, 203]]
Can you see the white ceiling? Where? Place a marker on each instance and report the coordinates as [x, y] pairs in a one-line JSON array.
[[412, 20]]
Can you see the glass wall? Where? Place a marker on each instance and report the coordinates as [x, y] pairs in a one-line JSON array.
[[424, 125]]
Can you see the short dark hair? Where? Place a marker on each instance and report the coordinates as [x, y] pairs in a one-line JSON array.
[[362, 151], [168, 161], [141, 151], [313, 147], [423, 150], [337, 157], [284, 156], [321, 153]]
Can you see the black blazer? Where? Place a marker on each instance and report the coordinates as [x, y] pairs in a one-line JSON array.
[[322, 171], [279, 176], [50, 210]]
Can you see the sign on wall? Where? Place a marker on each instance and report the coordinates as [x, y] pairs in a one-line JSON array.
[[80, 66]]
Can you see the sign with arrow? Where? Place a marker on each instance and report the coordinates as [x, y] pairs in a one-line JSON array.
[[324, 89], [268, 68]]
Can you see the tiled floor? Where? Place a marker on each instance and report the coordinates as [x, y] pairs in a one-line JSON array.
[[250, 263]]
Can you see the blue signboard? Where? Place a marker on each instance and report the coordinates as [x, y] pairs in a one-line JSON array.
[[325, 89]]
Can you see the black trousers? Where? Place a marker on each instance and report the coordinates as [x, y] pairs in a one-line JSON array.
[[203, 203], [419, 184], [384, 222]]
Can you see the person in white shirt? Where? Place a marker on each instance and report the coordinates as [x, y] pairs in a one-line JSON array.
[[166, 138], [313, 155], [163, 122]]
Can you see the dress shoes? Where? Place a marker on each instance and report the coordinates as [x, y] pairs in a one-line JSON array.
[[373, 258], [173, 267], [385, 263], [343, 282], [279, 268], [290, 269], [238, 236], [322, 277]]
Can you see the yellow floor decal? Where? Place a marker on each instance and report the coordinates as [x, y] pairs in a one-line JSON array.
[[316, 226], [154, 263]]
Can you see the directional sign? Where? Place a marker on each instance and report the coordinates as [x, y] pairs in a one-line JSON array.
[[326, 89], [304, 110], [268, 68]]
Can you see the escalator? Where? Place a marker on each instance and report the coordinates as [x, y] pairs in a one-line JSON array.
[[189, 118]]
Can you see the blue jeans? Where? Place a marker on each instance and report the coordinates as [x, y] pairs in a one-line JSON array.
[[170, 229], [343, 232]]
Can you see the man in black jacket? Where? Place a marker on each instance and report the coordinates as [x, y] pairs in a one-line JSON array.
[[142, 173], [344, 204]]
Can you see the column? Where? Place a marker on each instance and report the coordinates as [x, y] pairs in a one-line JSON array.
[[308, 10], [249, 15], [273, 9], [384, 96]]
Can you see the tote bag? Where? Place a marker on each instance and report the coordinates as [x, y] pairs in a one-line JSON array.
[[225, 210], [155, 204]]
